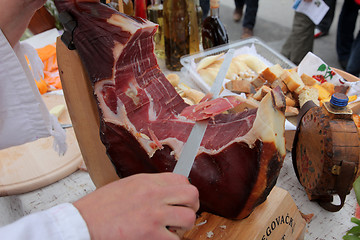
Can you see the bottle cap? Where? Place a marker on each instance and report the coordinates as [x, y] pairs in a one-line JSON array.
[[339, 100]]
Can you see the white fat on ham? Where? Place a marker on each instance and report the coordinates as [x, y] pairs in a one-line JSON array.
[[130, 26], [121, 119]]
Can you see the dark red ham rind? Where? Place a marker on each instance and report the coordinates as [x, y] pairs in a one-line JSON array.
[[232, 176]]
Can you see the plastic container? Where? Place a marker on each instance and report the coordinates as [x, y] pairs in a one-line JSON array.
[[248, 46]]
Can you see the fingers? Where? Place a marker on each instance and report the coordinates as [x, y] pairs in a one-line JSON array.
[[180, 217], [178, 191], [168, 178], [183, 195]]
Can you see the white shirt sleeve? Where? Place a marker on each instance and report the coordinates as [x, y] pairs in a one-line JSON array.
[[62, 222], [24, 116]]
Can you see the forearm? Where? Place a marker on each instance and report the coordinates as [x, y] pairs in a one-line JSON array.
[[15, 16]]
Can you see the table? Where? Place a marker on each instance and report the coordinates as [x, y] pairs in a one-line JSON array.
[[324, 225]]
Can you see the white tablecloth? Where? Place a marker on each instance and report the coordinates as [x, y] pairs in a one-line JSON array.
[[324, 225]]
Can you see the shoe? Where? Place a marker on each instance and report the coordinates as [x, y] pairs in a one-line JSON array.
[[247, 33], [318, 33], [238, 14]]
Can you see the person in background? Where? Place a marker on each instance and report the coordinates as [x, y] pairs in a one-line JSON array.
[[205, 7], [142, 206], [322, 29], [301, 38], [249, 18], [348, 47]]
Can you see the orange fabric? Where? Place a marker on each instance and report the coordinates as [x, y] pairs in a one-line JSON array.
[[42, 86], [47, 55]]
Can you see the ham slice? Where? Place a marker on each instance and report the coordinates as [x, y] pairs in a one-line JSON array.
[[210, 108], [144, 123]]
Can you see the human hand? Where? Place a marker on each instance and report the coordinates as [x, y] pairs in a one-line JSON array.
[[140, 207]]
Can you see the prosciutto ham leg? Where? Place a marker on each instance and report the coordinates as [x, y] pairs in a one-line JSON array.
[[144, 125]]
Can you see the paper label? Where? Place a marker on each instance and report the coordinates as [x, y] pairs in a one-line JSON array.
[[315, 9]]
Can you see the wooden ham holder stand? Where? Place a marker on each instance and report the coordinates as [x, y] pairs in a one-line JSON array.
[[277, 218]]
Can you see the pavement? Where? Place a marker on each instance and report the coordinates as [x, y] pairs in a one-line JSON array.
[[273, 26]]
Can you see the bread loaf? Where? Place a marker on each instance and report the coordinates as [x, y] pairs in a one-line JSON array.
[[309, 93], [252, 62], [307, 80], [173, 78], [272, 73], [258, 82], [261, 92], [291, 111], [205, 62], [290, 101], [281, 84], [194, 95], [238, 86], [292, 80]]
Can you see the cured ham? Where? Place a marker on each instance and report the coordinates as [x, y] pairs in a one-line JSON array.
[[144, 123], [210, 108]]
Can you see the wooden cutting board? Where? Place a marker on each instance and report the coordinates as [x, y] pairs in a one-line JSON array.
[[34, 165]]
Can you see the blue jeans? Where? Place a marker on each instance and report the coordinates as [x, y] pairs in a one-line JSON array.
[[348, 47], [250, 13]]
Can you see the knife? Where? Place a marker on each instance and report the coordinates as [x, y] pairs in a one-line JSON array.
[[191, 146]]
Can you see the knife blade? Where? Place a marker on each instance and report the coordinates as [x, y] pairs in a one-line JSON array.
[[191, 146]]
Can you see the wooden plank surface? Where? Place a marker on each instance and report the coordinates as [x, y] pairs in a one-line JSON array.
[[84, 115], [277, 218]]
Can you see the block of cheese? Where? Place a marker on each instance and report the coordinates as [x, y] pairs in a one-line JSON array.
[[329, 87], [323, 93]]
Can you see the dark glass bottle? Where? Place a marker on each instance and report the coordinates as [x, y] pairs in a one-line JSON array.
[[213, 30]]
